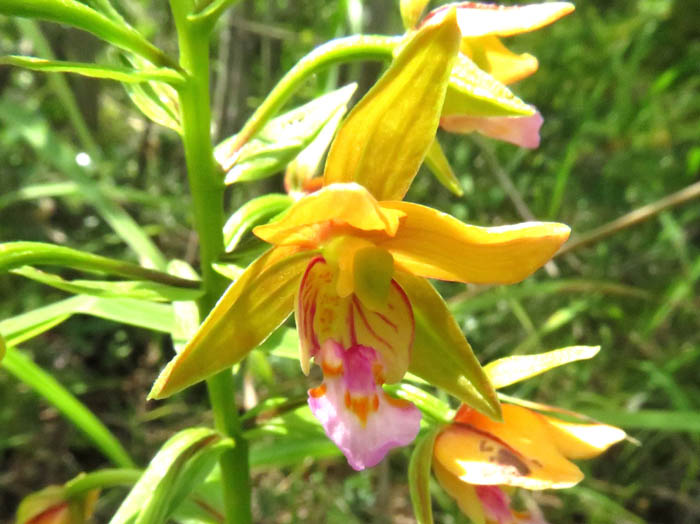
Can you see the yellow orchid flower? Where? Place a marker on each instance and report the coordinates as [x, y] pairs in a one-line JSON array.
[[346, 264], [478, 460], [351, 260], [481, 26]]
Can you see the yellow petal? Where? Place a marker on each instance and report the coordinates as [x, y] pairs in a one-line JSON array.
[[477, 19], [582, 441], [517, 452], [411, 11], [250, 309], [509, 370], [489, 53], [386, 136], [310, 219], [322, 314], [441, 353], [435, 245], [463, 493]]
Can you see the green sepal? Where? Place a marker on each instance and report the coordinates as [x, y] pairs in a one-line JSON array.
[[441, 354], [282, 138], [473, 92], [419, 470], [385, 138], [439, 165]]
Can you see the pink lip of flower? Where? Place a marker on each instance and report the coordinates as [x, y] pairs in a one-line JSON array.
[[341, 334], [523, 131]]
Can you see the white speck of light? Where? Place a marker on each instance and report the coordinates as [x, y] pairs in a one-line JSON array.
[[83, 159]]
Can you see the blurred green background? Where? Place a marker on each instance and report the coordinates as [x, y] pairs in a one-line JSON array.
[[619, 88]]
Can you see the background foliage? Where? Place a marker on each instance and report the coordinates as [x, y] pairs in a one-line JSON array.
[[618, 86]]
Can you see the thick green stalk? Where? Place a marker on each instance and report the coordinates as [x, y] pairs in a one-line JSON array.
[[206, 187]]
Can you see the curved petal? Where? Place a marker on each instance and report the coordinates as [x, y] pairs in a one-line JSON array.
[[523, 131], [582, 441], [489, 53], [477, 19], [307, 221], [323, 315], [250, 309], [463, 493], [435, 245], [356, 414], [517, 452]]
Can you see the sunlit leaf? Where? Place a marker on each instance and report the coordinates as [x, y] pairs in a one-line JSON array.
[[25, 370], [121, 74], [182, 463]]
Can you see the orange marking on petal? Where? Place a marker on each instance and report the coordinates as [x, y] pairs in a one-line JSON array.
[[360, 406], [348, 400], [375, 403], [318, 391], [331, 371]]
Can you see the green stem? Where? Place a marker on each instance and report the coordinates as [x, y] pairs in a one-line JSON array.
[[358, 47], [206, 186]]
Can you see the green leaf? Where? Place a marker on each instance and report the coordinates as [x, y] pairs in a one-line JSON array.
[[437, 163], [419, 469], [25, 370], [386, 136], [182, 463], [16, 254], [158, 102], [282, 138], [120, 74], [59, 154], [76, 14], [472, 91], [30, 192], [256, 211], [3, 348], [441, 354], [506, 371], [149, 315], [186, 311], [649, 419], [140, 290]]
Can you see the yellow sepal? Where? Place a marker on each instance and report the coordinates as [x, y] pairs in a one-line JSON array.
[[386, 136], [250, 309]]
